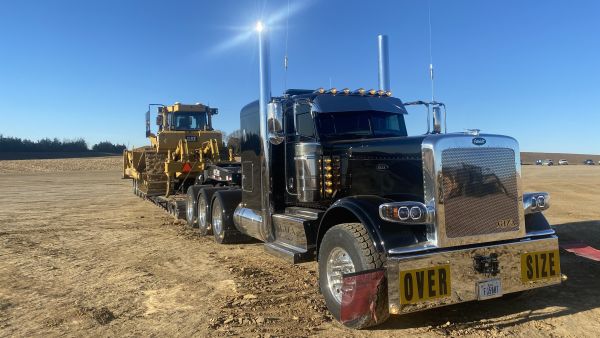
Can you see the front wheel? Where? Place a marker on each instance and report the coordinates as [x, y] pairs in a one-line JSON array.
[[348, 248]]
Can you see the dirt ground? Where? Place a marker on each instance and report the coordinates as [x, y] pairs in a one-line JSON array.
[[80, 255]]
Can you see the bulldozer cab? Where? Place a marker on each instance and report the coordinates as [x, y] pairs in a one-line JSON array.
[[185, 121], [181, 117]]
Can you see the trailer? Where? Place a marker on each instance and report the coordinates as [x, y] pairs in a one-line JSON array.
[[182, 203]]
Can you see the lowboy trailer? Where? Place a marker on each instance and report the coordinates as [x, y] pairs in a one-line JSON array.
[[397, 223]]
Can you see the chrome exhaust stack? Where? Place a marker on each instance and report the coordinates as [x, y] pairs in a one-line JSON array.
[[264, 77], [383, 63], [256, 223], [263, 103]]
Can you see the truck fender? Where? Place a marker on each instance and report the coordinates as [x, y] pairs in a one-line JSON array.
[[363, 209], [229, 198]]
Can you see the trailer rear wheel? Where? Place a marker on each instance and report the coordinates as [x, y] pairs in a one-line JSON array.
[[348, 248], [204, 227], [191, 206]]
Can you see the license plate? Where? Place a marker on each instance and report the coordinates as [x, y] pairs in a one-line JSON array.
[[490, 288], [425, 284], [540, 265]]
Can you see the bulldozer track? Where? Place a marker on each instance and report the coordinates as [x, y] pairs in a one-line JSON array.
[[154, 181]]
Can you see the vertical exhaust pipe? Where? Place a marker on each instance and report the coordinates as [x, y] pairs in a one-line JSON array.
[[384, 63], [264, 74], [263, 102]]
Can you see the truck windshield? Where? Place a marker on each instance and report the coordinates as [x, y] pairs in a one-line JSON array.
[[188, 121], [360, 124]]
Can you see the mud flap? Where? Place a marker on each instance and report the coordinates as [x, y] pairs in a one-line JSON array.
[[364, 298]]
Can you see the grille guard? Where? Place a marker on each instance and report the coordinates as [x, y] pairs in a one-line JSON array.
[[432, 148]]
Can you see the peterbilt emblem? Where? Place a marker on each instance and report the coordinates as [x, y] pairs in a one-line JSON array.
[[479, 141], [382, 166], [505, 223]]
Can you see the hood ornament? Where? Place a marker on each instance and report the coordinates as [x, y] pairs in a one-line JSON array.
[[474, 132]]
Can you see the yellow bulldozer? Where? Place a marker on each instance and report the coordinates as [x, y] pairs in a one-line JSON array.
[[179, 154]]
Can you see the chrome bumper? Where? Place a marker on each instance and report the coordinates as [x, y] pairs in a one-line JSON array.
[[463, 276]]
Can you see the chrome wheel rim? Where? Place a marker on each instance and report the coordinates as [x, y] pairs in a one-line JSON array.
[[338, 264], [190, 211], [216, 219], [201, 212]]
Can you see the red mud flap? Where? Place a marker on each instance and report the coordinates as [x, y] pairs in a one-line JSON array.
[[364, 298], [582, 250]]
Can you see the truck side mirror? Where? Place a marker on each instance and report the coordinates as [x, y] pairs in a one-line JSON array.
[[437, 120], [275, 122]]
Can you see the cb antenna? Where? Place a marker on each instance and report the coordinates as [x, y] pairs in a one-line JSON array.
[[430, 53], [285, 57]]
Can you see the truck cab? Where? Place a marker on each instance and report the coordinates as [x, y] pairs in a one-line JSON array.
[[398, 223]]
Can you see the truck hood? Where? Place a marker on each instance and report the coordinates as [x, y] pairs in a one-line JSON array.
[[391, 167]]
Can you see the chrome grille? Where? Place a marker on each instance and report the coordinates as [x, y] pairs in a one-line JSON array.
[[479, 191]]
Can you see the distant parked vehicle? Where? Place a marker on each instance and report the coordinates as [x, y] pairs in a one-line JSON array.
[[547, 162], [589, 162], [538, 162], [563, 162]]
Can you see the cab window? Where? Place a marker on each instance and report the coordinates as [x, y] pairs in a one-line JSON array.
[[188, 121], [304, 121]]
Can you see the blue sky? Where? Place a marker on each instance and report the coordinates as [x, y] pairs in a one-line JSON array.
[[71, 68]]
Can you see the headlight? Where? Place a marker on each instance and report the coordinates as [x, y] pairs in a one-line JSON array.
[[406, 212]]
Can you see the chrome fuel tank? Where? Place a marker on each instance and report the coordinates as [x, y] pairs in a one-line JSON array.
[[308, 167]]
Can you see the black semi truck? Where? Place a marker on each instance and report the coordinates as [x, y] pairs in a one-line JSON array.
[[398, 223]]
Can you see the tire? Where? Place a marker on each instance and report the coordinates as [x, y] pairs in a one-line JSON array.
[[203, 208], [199, 180], [204, 226], [350, 245], [222, 224], [191, 206]]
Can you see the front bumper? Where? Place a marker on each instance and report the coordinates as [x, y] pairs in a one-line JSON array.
[[460, 275]]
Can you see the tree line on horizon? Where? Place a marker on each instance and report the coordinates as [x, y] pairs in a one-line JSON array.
[[16, 144]]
